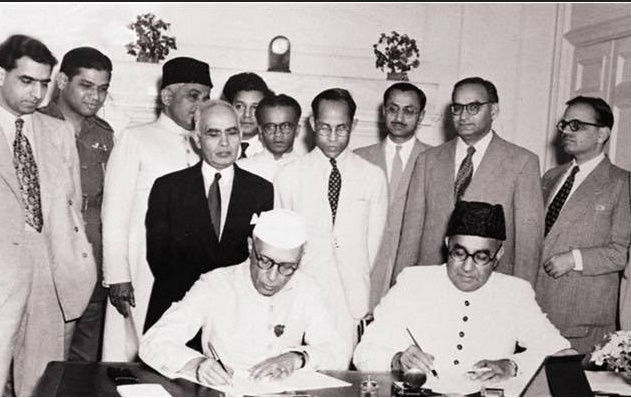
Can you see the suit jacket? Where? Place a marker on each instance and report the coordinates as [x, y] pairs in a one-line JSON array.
[[71, 260], [382, 276], [507, 175], [596, 220], [181, 241]]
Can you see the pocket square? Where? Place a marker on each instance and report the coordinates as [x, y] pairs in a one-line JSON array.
[[254, 219]]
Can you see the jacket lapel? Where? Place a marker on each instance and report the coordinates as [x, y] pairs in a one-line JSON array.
[[48, 154], [7, 170], [489, 168], [404, 182], [443, 171], [238, 200]]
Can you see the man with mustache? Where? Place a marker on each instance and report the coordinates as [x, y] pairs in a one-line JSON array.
[[141, 155], [82, 84]]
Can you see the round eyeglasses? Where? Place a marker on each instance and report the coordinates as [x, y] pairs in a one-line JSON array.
[[394, 110], [325, 130], [481, 257], [265, 263], [575, 125], [472, 108], [285, 128]]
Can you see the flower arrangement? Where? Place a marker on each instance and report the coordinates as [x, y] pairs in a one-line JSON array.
[[615, 354], [151, 45], [399, 53]]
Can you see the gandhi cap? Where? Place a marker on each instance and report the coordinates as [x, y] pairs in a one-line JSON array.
[[185, 70], [477, 219], [281, 228]]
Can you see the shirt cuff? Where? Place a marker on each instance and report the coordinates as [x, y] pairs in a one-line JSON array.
[[578, 260]]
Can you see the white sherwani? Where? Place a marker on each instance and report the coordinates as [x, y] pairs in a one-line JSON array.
[[458, 328], [340, 257], [265, 165], [244, 326], [141, 155]]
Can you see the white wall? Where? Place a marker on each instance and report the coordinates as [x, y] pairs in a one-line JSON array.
[[510, 44]]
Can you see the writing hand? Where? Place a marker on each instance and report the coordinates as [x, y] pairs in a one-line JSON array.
[[414, 358], [487, 370], [211, 372], [559, 265], [122, 296], [276, 368]]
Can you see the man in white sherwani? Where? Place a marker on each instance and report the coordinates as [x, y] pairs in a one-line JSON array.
[[344, 199], [140, 156]]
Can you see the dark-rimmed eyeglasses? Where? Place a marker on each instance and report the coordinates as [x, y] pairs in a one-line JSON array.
[[575, 125], [285, 128], [472, 108], [408, 111], [481, 257], [265, 263], [324, 129]]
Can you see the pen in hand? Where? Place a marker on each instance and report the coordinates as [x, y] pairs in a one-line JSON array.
[[419, 347], [216, 357]]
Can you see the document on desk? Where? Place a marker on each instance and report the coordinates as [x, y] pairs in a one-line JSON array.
[[459, 383], [142, 390], [300, 380]]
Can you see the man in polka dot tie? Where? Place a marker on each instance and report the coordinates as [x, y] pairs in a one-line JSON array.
[[466, 318]]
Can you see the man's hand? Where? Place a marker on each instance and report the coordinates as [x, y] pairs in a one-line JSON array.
[[414, 358], [498, 370], [277, 367], [559, 265], [210, 372], [122, 296]]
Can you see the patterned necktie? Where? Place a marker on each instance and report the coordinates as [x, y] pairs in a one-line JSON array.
[[214, 204], [559, 200], [395, 173], [465, 172], [335, 184], [244, 146], [28, 179]]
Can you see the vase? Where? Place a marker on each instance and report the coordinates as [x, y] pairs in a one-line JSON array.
[[398, 76]]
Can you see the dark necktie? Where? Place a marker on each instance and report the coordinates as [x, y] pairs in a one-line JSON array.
[[395, 173], [559, 200], [244, 146], [26, 168], [335, 184], [214, 204], [465, 172]]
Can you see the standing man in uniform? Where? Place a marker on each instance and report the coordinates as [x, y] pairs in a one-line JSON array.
[[82, 84], [141, 155], [47, 267]]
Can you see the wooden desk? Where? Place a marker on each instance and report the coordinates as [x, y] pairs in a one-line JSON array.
[[89, 379]]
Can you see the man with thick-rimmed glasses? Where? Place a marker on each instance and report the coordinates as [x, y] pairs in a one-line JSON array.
[[476, 165], [262, 318]]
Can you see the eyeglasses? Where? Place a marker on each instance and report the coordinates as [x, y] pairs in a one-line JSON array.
[[575, 125], [265, 263], [324, 129], [408, 111], [285, 128], [481, 257], [472, 108]]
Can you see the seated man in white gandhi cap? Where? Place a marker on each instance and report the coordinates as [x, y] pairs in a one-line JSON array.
[[263, 315]]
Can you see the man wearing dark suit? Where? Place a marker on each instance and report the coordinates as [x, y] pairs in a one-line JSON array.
[[199, 218], [403, 111], [477, 165], [588, 228]]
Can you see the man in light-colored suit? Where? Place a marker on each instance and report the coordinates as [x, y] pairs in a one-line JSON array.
[[477, 165], [344, 200], [403, 111], [588, 228], [47, 266], [141, 155]]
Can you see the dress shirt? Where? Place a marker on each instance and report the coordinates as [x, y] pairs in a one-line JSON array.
[[264, 164], [391, 148], [243, 325], [584, 170], [225, 187], [480, 150], [458, 328]]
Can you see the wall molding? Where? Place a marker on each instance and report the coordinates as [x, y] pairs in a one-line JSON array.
[[600, 32]]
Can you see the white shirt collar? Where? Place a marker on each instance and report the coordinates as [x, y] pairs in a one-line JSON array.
[[480, 149], [7, 125], [169, 124], [391, 147]]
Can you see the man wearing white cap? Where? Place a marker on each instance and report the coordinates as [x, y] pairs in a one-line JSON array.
[[260, 316]]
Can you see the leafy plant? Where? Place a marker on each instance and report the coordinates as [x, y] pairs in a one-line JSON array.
[[151, 45], [397, 52]]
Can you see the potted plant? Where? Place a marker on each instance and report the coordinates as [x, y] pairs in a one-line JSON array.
[[398, 53], [151, 44]]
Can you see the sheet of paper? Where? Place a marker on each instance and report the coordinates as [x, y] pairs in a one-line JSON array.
[[142, 390], [608, 382], [298, 381], [458, 383]]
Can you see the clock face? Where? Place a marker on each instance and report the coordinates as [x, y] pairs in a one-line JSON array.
[[280, 45]]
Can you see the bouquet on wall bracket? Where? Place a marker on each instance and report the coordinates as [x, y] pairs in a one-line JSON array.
[[151, 44], [399, 53]]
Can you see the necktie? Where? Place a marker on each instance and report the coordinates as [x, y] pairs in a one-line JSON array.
[[559, 200], [465, 172], [395, 173], [26, 169], [244, 146], [214, 204], [335, 184]]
